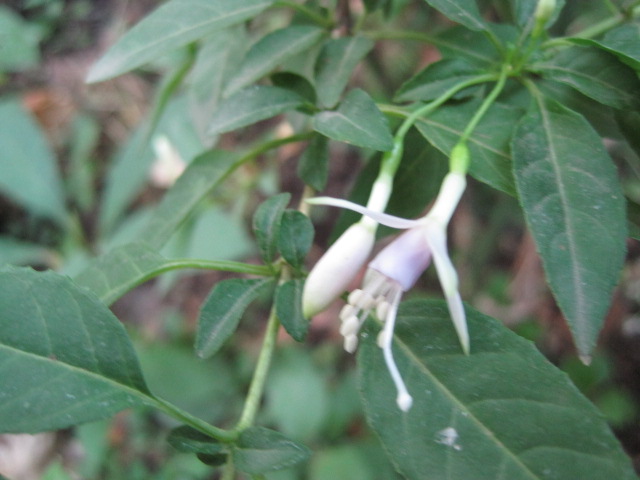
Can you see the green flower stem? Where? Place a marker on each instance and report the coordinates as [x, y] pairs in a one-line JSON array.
[[252, 402], [491, 98], [222, 265], [194, 422], [307, 12], [391, 159]]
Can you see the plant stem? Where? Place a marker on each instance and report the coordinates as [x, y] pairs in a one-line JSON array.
[[491, 98], [185, 417], [256, 388]]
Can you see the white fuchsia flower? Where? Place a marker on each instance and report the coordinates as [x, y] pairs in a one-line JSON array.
[[396, 269], [338, 267]]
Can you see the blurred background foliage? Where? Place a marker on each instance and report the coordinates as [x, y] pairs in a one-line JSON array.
[[81, 166]]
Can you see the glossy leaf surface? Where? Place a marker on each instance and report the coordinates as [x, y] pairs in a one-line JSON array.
[[574, 207], [170, 26], [295, 237], [64, 357], [464, 12], [502, 412]]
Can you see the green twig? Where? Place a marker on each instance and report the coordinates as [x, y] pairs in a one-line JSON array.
[[194, 422], [252, 402]]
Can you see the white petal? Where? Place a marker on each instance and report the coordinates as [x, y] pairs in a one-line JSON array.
[[449, 282], [451, 190], [383, 218], [337, 268]]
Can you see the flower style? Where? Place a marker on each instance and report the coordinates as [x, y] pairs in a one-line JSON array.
[[396, 269]]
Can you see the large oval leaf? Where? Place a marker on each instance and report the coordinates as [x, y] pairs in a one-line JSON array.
[[172, 25], [64, 357], [574, 207], [502, 412], [465, 12]]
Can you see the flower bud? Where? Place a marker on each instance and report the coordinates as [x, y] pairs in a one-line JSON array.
[[544, 10], [337, 268]]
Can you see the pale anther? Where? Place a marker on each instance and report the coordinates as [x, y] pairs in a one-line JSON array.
[[382, 309], [350, 343], [350, 326], [347, 311]]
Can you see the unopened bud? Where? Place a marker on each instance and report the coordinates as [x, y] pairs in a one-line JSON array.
[[337, 268]]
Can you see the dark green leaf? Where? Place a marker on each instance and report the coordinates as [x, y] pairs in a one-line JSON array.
[[260, 450], [502, 412], [29, 171], [488, 144], [629, 123], [289, 309], [172, 25], [222, 310], [64, 357], [295, 237], [190, 440], [296, 83], [574, 207], [436, 79], [270, 51], [464, 12], [621, 41], [251, 105], [335, 65], [215, 460], [266, 225], [595, 73], [313, 166], [357, 121], [201, 176], [459, 42]]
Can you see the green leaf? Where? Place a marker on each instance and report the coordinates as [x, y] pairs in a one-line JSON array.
[[488, 144], [112, 275], [313, 166], [266, 225], [501, 412], [288, 303], [621, 41], [295, 83], [29, 172], [202, 175], [19, 42], [20, 252], [295, 237], [462, 43], [251, 105], [574, 207], [595, 73], [64, 357], [222, 310], [357, 121], [260, 450], [436, 79], [335, 66], [172, 25], [188, 439], [464, 12], [629, 123], [270, 52]]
